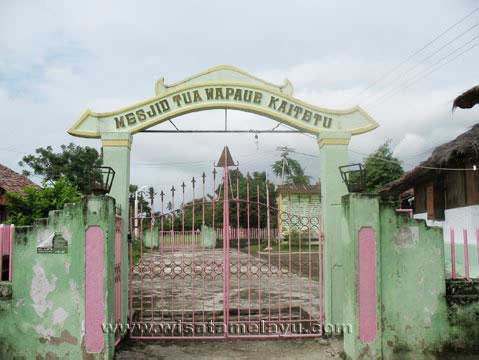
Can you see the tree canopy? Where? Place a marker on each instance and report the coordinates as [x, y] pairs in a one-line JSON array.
[[381, 168], [72, 163]]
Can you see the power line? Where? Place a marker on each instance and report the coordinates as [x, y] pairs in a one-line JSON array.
[[154, 164], [399, 65], [408, 83], [474, 168], [396, 161], [414, 66]]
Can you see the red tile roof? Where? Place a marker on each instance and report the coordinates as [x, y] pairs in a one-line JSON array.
[[299, 189], [13, 181]]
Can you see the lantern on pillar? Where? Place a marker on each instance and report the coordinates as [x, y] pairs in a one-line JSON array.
[[101, 179], [354, 176]]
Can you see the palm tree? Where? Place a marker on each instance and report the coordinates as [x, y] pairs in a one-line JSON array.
[[290, 169]]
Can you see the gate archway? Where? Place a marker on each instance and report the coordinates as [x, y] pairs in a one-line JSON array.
[[230, 88]]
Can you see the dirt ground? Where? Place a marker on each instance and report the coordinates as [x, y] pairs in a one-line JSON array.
[[317, 349]]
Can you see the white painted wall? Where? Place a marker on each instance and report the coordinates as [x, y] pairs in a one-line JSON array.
[[459, 219], [466, 217]]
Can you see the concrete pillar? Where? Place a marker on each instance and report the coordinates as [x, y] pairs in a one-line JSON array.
[[362, 310], [116, 154], [333, 152]]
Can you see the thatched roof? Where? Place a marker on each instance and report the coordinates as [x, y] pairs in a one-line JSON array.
[[465, 145], [468, 99]]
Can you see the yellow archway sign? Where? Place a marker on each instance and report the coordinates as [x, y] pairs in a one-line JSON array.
[[223, 87]]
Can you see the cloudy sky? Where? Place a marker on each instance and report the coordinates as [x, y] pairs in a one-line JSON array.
[[58, 59]]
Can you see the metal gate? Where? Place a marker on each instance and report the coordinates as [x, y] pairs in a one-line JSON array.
[[235, 262]]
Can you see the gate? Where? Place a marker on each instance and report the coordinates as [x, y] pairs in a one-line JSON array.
[[227, 264]]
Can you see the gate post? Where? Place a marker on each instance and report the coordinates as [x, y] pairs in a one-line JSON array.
[[362, 267], [333, 152], [116, 148]]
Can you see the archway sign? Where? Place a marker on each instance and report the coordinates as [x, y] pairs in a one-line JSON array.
[[228, 87]]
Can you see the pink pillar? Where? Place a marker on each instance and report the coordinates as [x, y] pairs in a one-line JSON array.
[[477, 244], [2, 237], [94, 290], [367, 285], [10, 251], [453, 256], [466, 254]]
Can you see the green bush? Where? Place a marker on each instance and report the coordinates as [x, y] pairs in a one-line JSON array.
[[34, 203], [465, 326]]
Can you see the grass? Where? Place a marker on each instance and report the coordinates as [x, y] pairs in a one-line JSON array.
[[283, 247]]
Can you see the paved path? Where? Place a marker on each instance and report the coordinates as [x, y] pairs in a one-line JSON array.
[[309, 349], [163, 288]]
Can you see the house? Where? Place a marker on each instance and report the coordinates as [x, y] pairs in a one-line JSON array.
[[10, 181], [444, 189], [296, 204]]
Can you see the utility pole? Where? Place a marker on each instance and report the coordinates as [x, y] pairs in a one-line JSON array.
[[284, 155]]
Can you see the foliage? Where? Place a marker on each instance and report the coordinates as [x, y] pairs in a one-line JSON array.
[[381, 168], [465, 326], [34, 203], [293, 171], [72, 163]]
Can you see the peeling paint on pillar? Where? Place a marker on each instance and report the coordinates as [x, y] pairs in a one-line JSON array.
[[45, 316]]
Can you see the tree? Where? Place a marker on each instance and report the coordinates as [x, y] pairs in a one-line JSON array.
[[381, 168], [72, 163], [290, 168], [34, 203]]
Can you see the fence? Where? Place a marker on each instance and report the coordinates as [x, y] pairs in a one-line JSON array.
[[177, 239], [6, 248], [462, 254], [251, 233]]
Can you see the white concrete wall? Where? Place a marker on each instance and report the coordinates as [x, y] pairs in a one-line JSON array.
[[466, 217], [423, 216], [459, 219]]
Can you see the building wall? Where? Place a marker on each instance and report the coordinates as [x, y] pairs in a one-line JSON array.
[[295, 206], [466, 217]]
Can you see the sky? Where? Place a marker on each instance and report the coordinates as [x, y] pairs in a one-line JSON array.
[[59, 58]]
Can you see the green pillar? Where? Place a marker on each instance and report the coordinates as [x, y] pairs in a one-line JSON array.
[[362, 268], [116, 154], [333, 152]]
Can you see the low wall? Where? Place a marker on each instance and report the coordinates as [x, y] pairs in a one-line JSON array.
[[395, 283], [44, 314]]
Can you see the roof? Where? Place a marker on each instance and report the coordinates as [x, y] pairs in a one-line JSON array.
[[299, 189], [465, 145], [13, 181], [467, 99]]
